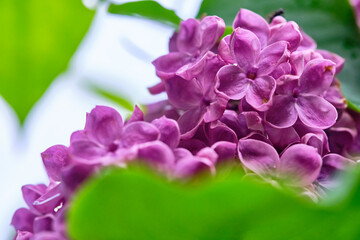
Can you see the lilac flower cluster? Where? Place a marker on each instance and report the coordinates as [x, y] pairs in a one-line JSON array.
[[265, 88], [263, 97]]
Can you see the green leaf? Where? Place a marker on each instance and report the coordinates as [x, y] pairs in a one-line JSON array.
[[147, 9], [112, 96], [37, 41], [133, 204], [330, 22]]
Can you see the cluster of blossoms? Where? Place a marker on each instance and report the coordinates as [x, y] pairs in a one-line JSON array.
[[263, 97]]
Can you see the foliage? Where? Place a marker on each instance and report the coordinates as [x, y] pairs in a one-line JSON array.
[[38, 40], [133, 204], [147, 9]]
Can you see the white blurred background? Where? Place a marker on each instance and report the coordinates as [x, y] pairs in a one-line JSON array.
[[116, 54]]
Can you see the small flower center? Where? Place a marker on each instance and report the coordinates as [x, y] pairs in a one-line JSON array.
[[328, 68], [296, 93], [206, 101], [251, 75], [113, 147]]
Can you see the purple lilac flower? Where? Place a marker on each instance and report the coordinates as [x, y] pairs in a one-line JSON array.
[[189, 48], [278, 30], [250, 77], [264, 96], [301, 97], [297, 168], [197, 97]]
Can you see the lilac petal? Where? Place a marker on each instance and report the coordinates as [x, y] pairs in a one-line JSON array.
[[224, 150], [103, 125], [313, 140], [224, 50], [289, 32], [255, 23], [137, 115], [189, 38], [173, 43], [271, 56], [282, 114], [193, 145], [50, 200], [208, 153], [245, 47], [190, 121], [157, 88], [335, 97], [345, 124], [282, 137], [181, 153], [169, 131], [232, 82], [60, 223], [307, 42], [167, 65], [23, 235], [212, 28], [315, 111], [159, 109], [79, 135], [137, 133], [317, 76], [23, 220], [299, 165], [333, 164], [302, 130], [54, 159], [189, 166], [207, 78], [43, 223], [258, 137], [236, 122], [278, 20], [183, 94], [260, 93], [31, 193], [281, 70], [158, 155], [258, 156], [73, 175], [339, 61], [87, 150], [216, 109], [342, 134], [299, 59], [194, 67], [253, 121], [287, 85], [220, 132], [48, 236]]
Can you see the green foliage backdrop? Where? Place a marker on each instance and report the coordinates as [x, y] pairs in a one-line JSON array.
[[37, 41]]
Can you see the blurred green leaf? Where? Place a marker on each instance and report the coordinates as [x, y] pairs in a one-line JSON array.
[[147, 9], [330, 22], [115, 97], [37, 41], [133, 204]]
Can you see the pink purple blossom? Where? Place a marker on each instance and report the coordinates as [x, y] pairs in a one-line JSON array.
[[263, 97]]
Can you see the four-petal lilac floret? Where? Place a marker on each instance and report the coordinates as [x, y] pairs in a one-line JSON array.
[[189, 49], [302, 97], [250, 76]]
